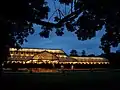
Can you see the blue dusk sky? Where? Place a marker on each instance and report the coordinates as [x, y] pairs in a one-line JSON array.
[[66, 42]]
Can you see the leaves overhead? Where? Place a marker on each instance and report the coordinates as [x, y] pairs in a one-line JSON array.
[[86, 17], [95, 14], [19, 18], [67, 2], [59, 32]]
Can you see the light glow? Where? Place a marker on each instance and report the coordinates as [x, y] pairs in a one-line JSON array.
[[48, 56]]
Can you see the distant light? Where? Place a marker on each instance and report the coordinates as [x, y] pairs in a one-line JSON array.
[[29, 3]]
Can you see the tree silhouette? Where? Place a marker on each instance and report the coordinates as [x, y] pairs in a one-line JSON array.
[[16, 21], [95, 14], [73, 53], [85, 18], [118, 51], [91, 55], [83, 53], [114, 59]]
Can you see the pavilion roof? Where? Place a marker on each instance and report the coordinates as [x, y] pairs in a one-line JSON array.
[[38, 50], [67, 59]]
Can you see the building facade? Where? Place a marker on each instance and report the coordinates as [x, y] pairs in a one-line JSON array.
[[54, 56]]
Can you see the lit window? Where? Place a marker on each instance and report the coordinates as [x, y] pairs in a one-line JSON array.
[[95, 63], [99, 63], [106, 62], [91, 62], [88, 63]]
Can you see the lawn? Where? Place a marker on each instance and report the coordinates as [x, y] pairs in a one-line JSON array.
[[98, 80]]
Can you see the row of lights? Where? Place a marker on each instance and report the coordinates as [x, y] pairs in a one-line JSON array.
[[79, 60], [36, 50], [40, 62], [39, 50], [91, 60], [94, 58]]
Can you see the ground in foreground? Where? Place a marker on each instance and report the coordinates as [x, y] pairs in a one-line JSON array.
[[103, 80]]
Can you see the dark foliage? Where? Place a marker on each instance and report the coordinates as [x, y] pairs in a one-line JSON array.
[[83, 53], [17, 19], [95, 14], [91, 55], [73, 53], [114, 59]]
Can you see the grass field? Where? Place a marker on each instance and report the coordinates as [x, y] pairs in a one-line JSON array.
[[101, 80]]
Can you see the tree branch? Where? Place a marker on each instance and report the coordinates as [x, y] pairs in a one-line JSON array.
[[60, 23], [44, 23]]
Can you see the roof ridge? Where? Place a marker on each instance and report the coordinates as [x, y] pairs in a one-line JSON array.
[[39, 48]]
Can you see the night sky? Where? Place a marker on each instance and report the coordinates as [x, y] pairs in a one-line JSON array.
[[67, 42]]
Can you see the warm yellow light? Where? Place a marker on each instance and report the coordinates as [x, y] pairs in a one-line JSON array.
[[95, 63], [36, 50], [49, 56], [106, 62], [13, 62], [74, 62], [88, 63], [24, 62], [99, 63], [91, 63]]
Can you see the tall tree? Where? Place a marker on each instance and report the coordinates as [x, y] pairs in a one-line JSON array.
[[95, 14], [16, 21], [73, 52]]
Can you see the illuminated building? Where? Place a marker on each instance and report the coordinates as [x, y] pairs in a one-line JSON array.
[[39, 59], [91, 60], [35, 55]]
